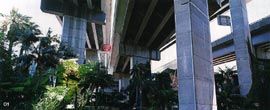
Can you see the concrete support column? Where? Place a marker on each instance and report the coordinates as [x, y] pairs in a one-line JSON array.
[[123, 83], [243, 47], [138, 60], [196, 90], [74, 35], [92, 55]]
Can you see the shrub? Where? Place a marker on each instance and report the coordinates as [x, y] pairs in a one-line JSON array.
[[52, 98]]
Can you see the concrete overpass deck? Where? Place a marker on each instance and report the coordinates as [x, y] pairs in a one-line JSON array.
[[137, 25], [138, 29], [223, 48], [147, 24]]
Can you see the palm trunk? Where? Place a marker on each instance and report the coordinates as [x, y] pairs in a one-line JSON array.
[[140, 99], [21, 51], [9, 61], [10, 45], [137, 98]]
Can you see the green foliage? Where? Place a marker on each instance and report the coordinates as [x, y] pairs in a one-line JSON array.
[[227, 88], [28, 91], [52, 98], [3, 54], [47, 51], [228, 94], [84, 69], [96, 77], [1, 38], [259, 93], [17, 89], [16, 29], [153, 87], [19, 29], [163, 91], [93, 80], [67, 72], [68, 77]]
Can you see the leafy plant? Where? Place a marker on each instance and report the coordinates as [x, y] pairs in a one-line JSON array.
[[145, 88], [85, 69], [67, 72], [52, 98], [18, 30], [92, 82], [228, 94]]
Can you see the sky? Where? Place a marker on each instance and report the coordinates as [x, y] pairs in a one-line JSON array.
[[32, 8]]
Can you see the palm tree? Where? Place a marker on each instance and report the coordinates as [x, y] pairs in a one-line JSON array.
[[19, 30], [145, 88], [164, 91], [47, 51], [93, 80], [228, 92], [226, 87], [140, 77]]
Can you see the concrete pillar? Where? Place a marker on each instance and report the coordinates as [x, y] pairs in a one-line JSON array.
[[123, 83], [73, 35], [243, 46], [138, 60], [92, 55], [196, 90]]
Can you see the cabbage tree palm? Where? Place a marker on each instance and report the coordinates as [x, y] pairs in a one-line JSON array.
[[140, 77], [18, 29], [228, 94]]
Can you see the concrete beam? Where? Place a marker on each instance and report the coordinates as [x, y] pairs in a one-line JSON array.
[[125, 64], [220, 11], [224, 59], [59, 20], [89, 4], [223, 51], [243, 50], [109, 7], [146, 18], [106, 6], [167, 39], [95, 35], [137, 51], [123, 13], [104, 33], [128, 15], [87, 41], [196, 89], [160, 26], [72, 8], [93, 25]]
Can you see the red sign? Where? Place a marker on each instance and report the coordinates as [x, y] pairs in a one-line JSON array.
[[106, 47]]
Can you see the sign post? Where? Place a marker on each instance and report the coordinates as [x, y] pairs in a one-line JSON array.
[[224, 20]]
